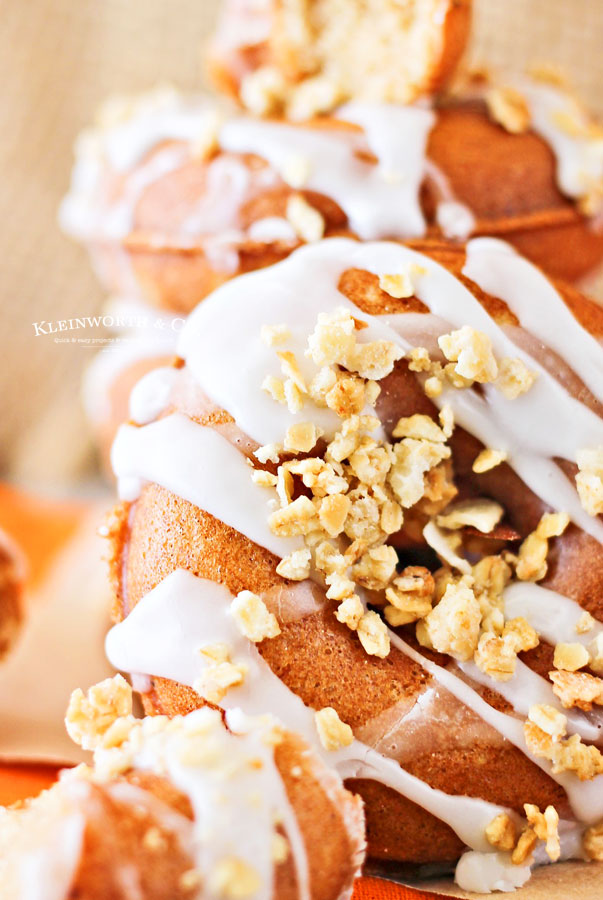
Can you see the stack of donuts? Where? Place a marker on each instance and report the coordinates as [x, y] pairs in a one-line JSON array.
[[364, 497]]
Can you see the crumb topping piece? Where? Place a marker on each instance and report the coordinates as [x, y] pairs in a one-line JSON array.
[[333, 733], [589, 480], [253, 618], [509, 108], [90, 717]]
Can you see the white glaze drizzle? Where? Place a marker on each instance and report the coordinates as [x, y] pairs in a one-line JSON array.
[[586, 798], [579, 156], [163, 635], [552, 615], [151, 394], [380, 200], [526, 688], [498, 269], [201, 466], [524, 427]]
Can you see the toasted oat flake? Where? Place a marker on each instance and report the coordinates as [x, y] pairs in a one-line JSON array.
[[577, 689], [570, 657], [479, 513], [545, 826], [301, 437], [268, 453], [596, 654], [333, 513], [280, 849], [593, 842], [296, 566], [372, 632], [501, 832], [90, 716], [420, 427], [398, 285], [488, 459], [350, 611], [453, 625], [333, 733], [509, 108], [549, 719], [589, 480], [253, 617], [263, 91], [290, 368], [263, 478], [216, 680], [585, 623], [471, 350], [312, 97], [525, 845], [514, 378], [275, 334], [308, 223], [419, 360], [234, 879], [298, 518]]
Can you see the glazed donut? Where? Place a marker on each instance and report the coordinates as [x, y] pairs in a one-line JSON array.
[[301, 442], [171, 204], [193, 807], [272, 54], [12, 575]]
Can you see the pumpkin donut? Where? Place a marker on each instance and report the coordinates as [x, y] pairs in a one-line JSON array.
[[375, 484]]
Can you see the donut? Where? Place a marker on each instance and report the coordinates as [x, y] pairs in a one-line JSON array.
[[12, 575], [376, 485], [195, 806], [171, 202], [274, 55]]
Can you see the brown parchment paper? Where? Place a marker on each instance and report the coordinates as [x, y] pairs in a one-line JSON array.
[[562, 881]]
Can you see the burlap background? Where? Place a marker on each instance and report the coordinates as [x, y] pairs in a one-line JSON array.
[[58, 59]]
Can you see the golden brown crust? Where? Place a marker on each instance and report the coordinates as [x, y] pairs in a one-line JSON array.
[[317, 657], [11, 595]]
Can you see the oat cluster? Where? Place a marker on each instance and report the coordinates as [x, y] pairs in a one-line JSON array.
[[502, 833]]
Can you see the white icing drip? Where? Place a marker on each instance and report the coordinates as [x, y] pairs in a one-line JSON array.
[[150, 396], [105, 368], [552, 615], [228, 181], [201, 466], [162, 636], [586, 798], [499, 270], [579, 157], [487, 872], [524, 427], [380, 199], [272, 228], [375, 206], [526, 688]]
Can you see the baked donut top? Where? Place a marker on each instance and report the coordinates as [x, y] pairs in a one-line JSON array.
[[299, 356]]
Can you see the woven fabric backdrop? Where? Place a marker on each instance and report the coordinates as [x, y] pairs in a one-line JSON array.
[[58, 60]]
